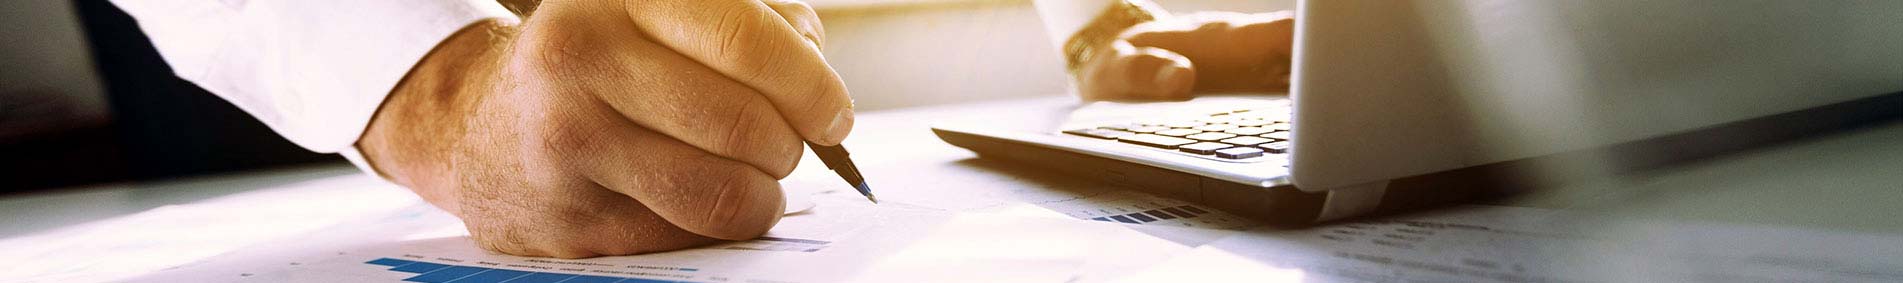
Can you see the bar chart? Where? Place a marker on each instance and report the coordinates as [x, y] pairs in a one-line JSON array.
[[1144, 209], [430, 272]]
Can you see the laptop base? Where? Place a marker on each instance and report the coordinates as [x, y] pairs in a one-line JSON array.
[[1276, 206]]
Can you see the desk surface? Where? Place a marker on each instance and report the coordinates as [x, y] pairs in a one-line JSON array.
[[1843, 181]]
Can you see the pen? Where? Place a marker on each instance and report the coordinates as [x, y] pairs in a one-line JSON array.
[[835, 158]]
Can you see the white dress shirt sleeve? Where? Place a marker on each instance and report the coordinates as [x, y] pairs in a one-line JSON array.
[[315, 71]]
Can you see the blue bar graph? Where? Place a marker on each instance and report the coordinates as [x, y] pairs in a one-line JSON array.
[[488, 276], [441, 273], [539, 277], [420, 267], [445, 274]]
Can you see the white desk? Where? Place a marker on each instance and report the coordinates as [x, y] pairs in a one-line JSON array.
[[1845, 181]]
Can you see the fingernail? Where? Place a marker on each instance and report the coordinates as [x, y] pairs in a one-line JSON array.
[[841, 126]]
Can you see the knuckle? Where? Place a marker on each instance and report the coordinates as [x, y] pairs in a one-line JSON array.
[[753, 136], [575, 56], [803, 18], [556, 139], [727, 190], [757, 64], [745, 37], [738, 137], [550, 51]]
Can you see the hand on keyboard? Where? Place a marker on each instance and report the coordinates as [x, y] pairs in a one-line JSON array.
[[1174, 58]]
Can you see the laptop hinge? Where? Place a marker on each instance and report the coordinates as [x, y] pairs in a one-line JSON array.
[[1353, 200]]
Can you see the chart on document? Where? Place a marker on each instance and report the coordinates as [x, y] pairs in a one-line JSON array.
[[454, 262], [1133, 207], [815, 246], [1514, 244], [419, 268], [1077, 199]]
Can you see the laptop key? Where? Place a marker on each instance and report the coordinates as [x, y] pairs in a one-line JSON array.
[[1239, 152], [1215, 127], [1177, 132], [1282, 135], [1210, 136], [1184, 124], [1250, 123], [1099, 133], [1276, 147], [1145, 129], [1119, 127], [1203, 147], [1281, 126], [1155, 141], [1248, 131], [1247, 140]]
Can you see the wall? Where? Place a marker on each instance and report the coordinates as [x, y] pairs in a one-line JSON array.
[[47, 81]]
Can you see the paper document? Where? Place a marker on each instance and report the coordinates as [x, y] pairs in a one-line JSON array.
[[112, 250], [828, 243], [1506, 244], [1132, 207], [1073, 199]]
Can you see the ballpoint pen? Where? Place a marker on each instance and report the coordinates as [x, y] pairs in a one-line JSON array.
[[835, 159]]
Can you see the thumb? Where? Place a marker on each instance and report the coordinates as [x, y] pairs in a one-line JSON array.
[[1137, 73]]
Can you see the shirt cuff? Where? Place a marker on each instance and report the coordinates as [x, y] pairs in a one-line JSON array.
[[356, 158]]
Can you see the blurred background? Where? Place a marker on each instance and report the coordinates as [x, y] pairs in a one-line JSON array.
[[85, 99]]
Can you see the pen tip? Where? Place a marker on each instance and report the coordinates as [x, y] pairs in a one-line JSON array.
[[874, 199]]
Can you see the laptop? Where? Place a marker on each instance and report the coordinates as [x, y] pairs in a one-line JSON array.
[[1397, 105]]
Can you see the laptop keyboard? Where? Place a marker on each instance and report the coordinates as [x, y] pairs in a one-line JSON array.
[[1240, 135]]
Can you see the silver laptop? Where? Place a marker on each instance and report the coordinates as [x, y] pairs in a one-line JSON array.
[[1404, 104]]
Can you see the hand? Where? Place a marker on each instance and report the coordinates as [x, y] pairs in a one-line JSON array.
[[1174, 58], [608, 127]]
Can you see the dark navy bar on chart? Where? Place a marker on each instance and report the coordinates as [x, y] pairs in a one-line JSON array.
[[429, 272], [446, 274], [1160, 214]]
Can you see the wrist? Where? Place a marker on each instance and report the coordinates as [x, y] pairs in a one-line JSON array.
[[409, 138]]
